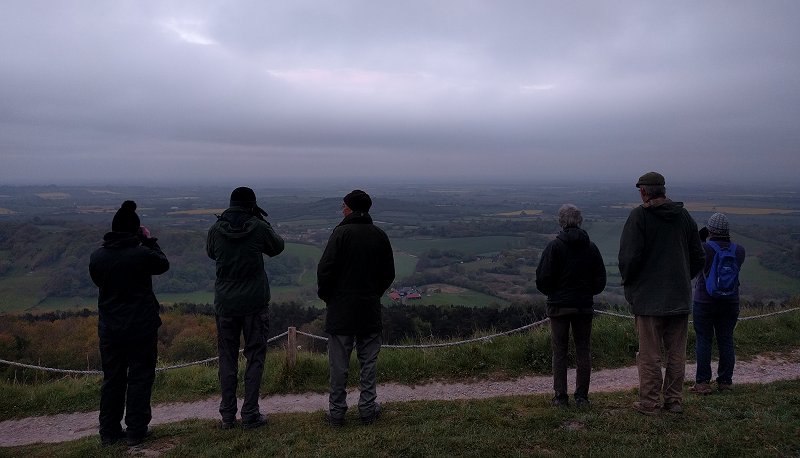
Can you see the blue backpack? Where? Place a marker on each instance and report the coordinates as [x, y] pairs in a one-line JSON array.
[[723, 279]]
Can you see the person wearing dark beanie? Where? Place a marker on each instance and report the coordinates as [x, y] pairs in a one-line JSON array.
[[128, 325], [237, 242], [358, 201], [355, 270]]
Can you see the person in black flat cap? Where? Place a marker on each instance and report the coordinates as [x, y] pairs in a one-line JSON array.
[[355, 270], [659, 254], [128, 324], [237, 242]]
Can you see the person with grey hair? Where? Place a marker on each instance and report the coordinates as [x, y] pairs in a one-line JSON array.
[[659, 254], [716, 305], [570, 272]]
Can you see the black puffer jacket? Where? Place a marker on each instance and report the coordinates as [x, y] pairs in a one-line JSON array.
[[570, 272], [122, 269], [355, 270], [237, 242]]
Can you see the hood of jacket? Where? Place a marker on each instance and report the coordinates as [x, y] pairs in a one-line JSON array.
[[573, 236], [120, 240], [665, 208], [236, 222], [356, 218]]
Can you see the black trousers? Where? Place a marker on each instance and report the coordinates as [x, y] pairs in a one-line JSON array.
[[255, 328], [581, 334], [129, 369]]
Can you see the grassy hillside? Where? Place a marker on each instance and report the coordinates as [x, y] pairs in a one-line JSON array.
[[465, 245]]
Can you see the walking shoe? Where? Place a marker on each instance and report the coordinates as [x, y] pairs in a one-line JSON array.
[[560, 401], [370, 419], [335, 422], [642, 409], [701, 388], [224, 424], [722, 386], [114, 439], [674, 407], [582, 403], [136, 439], [260, 421]]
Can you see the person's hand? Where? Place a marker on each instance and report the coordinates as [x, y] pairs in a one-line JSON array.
[[703, 234]]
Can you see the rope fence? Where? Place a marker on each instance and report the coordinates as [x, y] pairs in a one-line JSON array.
[[291, 332]]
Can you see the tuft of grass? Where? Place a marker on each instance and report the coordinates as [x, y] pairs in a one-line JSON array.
[[752, 420]]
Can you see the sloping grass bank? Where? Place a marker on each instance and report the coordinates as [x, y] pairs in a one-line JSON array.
[[752, 421], [613, 345]]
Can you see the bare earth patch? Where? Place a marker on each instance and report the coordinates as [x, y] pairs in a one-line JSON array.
[[67, 427]]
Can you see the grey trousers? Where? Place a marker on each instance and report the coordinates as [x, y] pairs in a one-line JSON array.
[[255, 328], [339, 349]]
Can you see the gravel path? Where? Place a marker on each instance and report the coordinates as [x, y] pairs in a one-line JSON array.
[[67, 427]]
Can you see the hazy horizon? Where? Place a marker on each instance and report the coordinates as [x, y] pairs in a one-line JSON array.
[[193, 92]]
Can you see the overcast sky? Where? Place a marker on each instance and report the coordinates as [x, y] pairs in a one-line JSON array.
[[228, 91]]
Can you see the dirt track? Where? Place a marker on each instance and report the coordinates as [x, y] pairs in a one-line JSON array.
[[67, 427]]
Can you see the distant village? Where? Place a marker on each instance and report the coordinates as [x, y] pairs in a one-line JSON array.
[[403, 294]]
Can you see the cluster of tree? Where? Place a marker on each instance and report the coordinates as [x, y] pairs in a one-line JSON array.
[[69, 340], [529, 228], [61, 252]]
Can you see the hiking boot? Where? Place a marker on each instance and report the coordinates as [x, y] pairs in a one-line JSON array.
[[259, 421], [674, 407], [701, 388], [370, 419], [645, 410], [335, 422], [114, 439], [582, 403], [722, 386], [560, 401]]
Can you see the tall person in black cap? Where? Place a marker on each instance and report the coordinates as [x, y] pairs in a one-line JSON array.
[[659, 254], [237, 242], [128, 324], [355, 270]]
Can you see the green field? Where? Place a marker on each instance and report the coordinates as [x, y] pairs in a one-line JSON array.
[[467, 298], [467, 245]]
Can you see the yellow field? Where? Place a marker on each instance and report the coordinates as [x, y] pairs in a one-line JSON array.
[[5, 211], [198, 211], [101, 191], [53, 195], [709, 207], [520, 213], [94, 209]]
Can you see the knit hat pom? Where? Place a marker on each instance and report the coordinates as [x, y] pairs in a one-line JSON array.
[[126, 219], [128, 205]]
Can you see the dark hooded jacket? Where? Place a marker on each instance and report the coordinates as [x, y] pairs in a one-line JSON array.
[[122, 269], [355, 270], [659, 254], [237, 242], [571, 271]]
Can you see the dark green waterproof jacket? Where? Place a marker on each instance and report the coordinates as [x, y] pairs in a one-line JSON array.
[[659, 254], [237, 242], [355, 270]]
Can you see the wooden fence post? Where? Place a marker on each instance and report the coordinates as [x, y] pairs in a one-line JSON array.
[[291, 347]]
